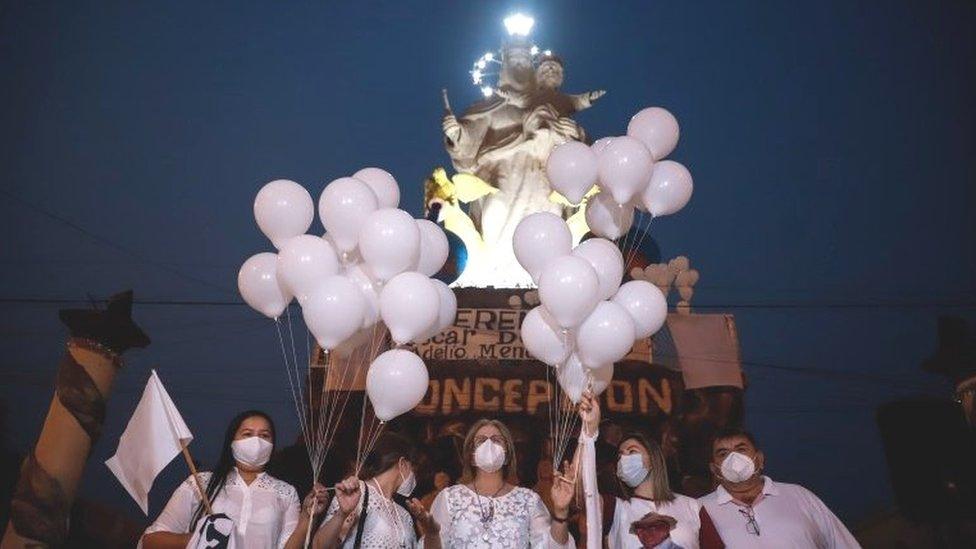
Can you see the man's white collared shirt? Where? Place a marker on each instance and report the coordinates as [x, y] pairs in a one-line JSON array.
[[787, 515]]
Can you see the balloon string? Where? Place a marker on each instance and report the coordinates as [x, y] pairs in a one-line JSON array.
[[626, 235], [296, 396], [284, 359], [633, 234], [635, 250], [550, 414]]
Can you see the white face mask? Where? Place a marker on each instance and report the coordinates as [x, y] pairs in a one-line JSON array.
[[253, 452], [631, 470], [489, 456], [407, 485], [738, 467]]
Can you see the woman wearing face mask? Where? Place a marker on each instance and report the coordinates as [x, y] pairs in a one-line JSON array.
[[265, 510], [642, 472], [379, 521], [486, 509]]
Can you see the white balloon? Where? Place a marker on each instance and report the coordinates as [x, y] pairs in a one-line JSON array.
[[606, 260], [625, 168], [433, 247], [540, 238], [447, 307], [574, 378], [657, 129], [283, 209], [570, 289], [343, 208], [383, 184], [258, 283], [572, 170], [303, 262], [370, 290], [669, 190], [602, 376], [389, 242], [544, 339], [606, 218], [396, 383], [408, 306], [606, 336], [646, 305], [334, 311]]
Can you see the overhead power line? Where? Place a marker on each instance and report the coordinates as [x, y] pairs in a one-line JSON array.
[[161, 265]]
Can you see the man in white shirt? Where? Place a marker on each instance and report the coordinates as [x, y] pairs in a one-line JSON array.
[[750, 510]]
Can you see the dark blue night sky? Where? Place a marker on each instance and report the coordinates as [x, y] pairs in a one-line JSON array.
[[831, 143]]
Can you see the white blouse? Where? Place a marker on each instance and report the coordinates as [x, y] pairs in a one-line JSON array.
[[387, 525], [683, 509], [265, 512], [518, 519]]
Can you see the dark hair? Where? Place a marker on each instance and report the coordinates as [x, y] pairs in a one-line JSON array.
[[218, 476], [726, 433], [386, 453], [661, 491]]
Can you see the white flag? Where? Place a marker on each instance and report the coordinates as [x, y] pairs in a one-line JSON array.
[[154, 436]]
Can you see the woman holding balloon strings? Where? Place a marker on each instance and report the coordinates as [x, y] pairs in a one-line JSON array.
[[642, 471], [381, 520], [265, 510], [487, 509]]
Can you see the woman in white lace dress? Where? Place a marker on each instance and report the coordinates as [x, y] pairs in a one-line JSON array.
[[485, 509], [379, 522], [265, 511]]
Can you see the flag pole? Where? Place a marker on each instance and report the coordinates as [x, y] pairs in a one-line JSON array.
[[193, 472]]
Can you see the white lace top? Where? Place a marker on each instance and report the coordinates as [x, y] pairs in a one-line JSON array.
[[387, 525], [264, 512], [519, 519]]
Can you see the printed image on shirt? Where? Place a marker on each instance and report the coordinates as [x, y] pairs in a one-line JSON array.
[[215, 532]]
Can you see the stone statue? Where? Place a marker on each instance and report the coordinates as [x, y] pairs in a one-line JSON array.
[[505, 141]]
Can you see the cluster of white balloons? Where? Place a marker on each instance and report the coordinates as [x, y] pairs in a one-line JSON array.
[[629, 170], [373, 264], [587, 319]]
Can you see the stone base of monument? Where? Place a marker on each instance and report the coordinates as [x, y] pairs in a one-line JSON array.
[[479, 369]]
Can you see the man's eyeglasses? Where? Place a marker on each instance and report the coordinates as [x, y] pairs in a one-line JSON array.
[[751, 525]]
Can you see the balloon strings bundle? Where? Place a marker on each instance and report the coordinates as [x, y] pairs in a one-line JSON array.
[[319, 421], [298, 383], [336, 400], [631, 242], [369, 433], [639, 236], [563, 419]]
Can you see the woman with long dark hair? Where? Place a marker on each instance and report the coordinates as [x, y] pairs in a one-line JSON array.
[[380, 520], [487, 508], [265, 510], [647, 494]]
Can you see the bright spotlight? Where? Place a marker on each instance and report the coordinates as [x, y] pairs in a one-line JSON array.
[[519, 24]]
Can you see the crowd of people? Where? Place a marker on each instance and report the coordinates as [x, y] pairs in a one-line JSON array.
[[486, 507]]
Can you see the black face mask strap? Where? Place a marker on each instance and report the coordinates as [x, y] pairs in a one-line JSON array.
[[360, 526]]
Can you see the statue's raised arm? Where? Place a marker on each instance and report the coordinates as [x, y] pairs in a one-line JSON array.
[[585, 100]]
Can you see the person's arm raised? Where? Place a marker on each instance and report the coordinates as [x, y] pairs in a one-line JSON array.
[[347, 494], [429, 529], [311, 507]]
